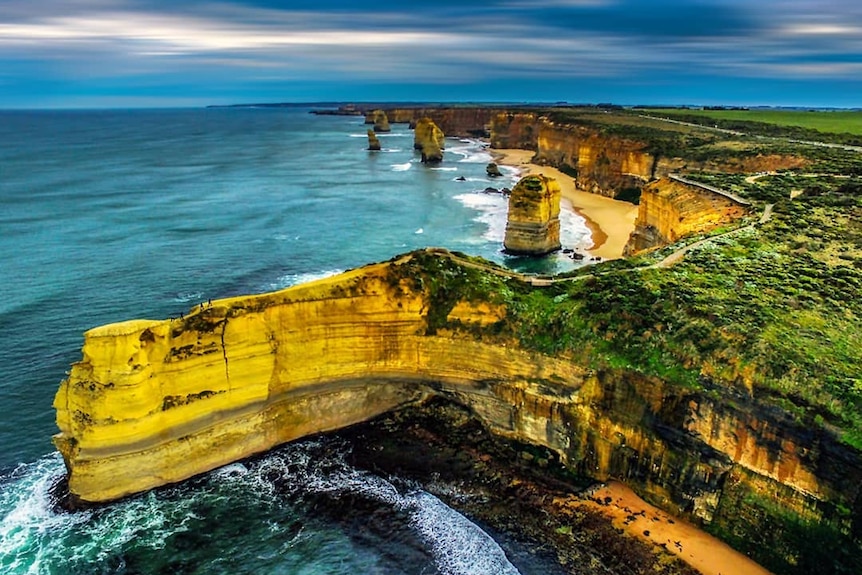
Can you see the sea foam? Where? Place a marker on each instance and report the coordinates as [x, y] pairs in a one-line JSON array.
[[293, 279]]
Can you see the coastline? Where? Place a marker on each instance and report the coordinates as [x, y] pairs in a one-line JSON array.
[[610, 221], [519, 499]]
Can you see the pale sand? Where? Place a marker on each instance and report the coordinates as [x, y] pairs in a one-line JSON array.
[[697, 548], [610, 221]]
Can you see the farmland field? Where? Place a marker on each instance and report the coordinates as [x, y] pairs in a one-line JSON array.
[[834, 122]]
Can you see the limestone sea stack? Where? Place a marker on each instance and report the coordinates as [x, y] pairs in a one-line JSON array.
[[533, 222], [380, 121], [493, 170], [373, 141], [428, 138]]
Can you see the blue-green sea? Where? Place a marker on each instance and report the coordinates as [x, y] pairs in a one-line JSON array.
[[112, 215]]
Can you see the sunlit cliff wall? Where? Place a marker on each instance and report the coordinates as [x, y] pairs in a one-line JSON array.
[[600, 164], [459, 122], [670, 209], [606, 164], [156, 401]]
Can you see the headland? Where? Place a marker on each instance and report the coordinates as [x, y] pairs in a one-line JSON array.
[[722, 389]]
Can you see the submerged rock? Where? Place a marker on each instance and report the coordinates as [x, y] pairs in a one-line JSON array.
[[533, 221]]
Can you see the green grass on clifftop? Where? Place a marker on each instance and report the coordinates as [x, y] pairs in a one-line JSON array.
[[774, 311], [844, 127], [834, 122]]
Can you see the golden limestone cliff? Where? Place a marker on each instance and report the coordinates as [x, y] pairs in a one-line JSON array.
[[608, 164], [154, 402], [459, 122], [429, 139], [600, 164], [511, 130], [533, 218], [157, 401], [673, 207]]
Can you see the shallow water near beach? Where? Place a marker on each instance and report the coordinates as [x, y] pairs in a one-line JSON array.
[[116, 215]]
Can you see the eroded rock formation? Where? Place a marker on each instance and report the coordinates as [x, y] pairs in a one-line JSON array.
[[373, 141], [673, 207], [380, 121], [607, 164], [429, 139], [533, 220], [157, 401]]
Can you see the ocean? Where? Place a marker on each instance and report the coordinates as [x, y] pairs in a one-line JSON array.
[[114, 215]]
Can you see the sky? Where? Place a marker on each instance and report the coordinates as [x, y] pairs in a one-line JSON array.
[[165, 53]]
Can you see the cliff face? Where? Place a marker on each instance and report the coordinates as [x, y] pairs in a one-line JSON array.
[[671, 208], [533, 218], [460, 122], [514, 131], [428, 138], [606, 164], [154, 402], [600, 164]]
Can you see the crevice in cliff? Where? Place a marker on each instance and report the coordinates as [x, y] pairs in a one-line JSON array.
[[654, 167], [224, 352]]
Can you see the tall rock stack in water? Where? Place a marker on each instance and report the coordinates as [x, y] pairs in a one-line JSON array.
[[533, 222], [428, 138], [380, 121], [373, 141]]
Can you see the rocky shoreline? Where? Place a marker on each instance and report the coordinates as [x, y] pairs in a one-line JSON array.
[[520, 494]]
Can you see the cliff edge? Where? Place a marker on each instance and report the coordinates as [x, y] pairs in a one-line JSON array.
[[674, 207]]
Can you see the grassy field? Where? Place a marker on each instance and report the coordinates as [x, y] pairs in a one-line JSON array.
[[838, 122]]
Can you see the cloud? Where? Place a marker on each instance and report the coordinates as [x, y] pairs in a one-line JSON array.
[[623, 41]]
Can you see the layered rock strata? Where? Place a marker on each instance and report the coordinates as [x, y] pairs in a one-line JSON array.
[[673, 207], [606, 164], [429, 139], [157, 401], [459, 122], [533, 219]]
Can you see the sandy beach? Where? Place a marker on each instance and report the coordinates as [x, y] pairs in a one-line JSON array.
[[610, 221], [639, 519]]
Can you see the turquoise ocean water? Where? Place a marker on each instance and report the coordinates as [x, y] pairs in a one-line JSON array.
[[113, 215]]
